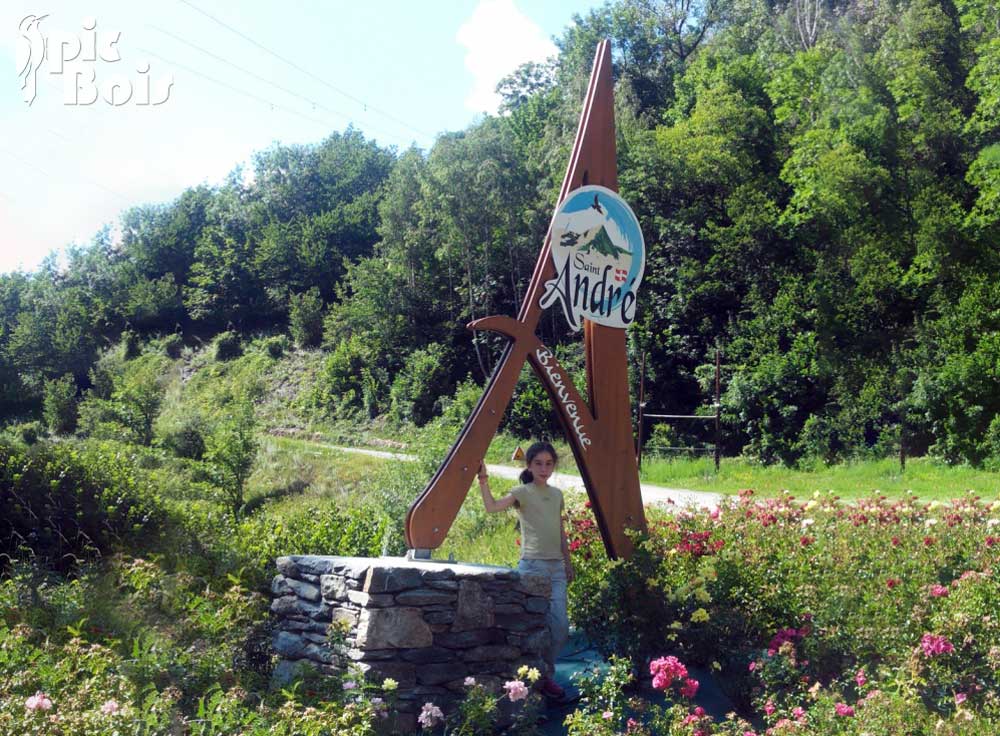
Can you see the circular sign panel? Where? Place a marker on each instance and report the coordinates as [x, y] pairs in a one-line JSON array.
[[599, 255]]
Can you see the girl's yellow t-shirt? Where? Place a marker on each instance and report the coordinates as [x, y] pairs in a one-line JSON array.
[[540, 513]]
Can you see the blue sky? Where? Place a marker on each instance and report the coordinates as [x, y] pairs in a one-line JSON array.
[[400, 71]]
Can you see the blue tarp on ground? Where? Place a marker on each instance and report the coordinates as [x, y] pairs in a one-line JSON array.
[[579, 656]]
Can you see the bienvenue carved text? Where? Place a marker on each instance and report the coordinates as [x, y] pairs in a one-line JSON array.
[[572, 410]]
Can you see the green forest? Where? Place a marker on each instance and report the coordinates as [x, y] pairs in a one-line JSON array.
[[818, 183]]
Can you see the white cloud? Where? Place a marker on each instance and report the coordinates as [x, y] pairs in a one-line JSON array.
[[498, 38]]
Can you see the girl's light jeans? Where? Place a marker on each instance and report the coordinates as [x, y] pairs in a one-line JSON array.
[[557, 616]]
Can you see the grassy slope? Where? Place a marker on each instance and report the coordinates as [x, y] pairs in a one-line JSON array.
[[293, 472]]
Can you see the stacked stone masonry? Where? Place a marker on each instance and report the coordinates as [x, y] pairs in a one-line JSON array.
[[427, 625]]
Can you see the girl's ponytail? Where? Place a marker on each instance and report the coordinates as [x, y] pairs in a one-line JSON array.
[[526, 476]]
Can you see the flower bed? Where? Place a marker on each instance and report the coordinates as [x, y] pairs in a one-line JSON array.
[[819, 617]]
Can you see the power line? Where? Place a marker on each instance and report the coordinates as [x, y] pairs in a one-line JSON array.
[[82, 128], [100, 111], [43, 172], [244, 70], [259, 78], [71, 139], [308, 73], [251, 95]]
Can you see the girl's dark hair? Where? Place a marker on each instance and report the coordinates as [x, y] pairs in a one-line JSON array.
[[533, 451]]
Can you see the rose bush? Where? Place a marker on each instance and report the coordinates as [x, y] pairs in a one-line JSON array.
[[807, 603]]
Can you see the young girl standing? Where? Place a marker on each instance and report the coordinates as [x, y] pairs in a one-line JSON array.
[[544, 548]]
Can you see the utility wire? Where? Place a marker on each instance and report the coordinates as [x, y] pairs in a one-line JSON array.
[[273, 105], [244, 70], [71, 139], [251, 95], [308, 73], [259, 78], [147, 163], [43, 172], [99, 111]]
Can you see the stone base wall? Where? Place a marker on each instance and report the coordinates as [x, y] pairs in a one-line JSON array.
[[427, 625]]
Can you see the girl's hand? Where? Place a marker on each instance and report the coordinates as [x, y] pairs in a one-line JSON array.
[[483, 475]]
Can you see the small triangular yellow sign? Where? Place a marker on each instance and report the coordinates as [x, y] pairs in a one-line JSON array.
[[518, 454]]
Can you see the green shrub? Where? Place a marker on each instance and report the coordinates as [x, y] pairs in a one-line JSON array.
[[173, 346], [617, 604], [457, 408], [29, 432], [659, 437], [59, 404], [228, 346], [138, 396], [131, 345], [417, 388], [347, 383], [305, 318], [126, 399], [276, 346], [109, 366], [99, 419], [184, 435], [59, 503], [231, 452], [328, 530]]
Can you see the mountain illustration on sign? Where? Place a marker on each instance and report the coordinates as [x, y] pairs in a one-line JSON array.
[[597, 240], [601, 243], [594, 239]]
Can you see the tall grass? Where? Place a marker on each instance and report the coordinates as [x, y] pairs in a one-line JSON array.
[[479, 537], [288, 466]]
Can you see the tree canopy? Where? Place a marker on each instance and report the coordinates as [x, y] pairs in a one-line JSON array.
[[818, 182]]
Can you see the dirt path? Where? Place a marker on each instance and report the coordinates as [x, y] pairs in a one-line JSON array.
[[682, 497]]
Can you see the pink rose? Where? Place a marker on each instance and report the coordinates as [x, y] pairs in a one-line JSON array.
[[430, 715], [933, 645], [689, 688], [665, 670], [516, 690], [38, 701]]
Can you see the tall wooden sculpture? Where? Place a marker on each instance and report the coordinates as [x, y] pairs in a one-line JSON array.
[[592, 262]]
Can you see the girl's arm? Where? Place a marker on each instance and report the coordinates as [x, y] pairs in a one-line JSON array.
[[489, 502]]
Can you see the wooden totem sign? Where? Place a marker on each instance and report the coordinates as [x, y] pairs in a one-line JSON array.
[[592, 262]]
